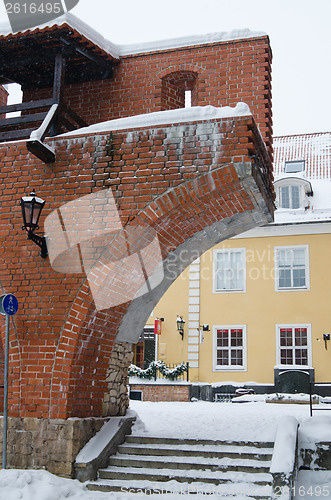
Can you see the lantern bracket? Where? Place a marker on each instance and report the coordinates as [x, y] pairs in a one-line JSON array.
[[180, 326], [41, 242]]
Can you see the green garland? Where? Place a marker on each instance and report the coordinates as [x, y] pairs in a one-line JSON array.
[[150, 372]]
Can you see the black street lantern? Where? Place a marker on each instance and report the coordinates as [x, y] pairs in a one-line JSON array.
[[31, 207], [180, 326]]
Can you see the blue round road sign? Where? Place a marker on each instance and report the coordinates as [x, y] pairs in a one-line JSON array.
[[10, 304]]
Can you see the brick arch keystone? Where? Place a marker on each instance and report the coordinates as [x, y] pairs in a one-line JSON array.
[[181, 68]]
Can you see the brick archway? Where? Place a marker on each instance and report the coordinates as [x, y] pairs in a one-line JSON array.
[[203, 207], [187, 180], [192, 182]]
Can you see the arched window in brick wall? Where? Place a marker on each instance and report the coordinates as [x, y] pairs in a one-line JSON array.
[[173, 88]]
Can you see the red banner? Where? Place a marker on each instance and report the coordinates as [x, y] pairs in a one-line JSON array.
[[157, 326]]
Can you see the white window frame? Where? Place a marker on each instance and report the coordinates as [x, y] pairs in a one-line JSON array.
[[309, 345], [242, 251], [290, 188], [230, 368], [292, 288]]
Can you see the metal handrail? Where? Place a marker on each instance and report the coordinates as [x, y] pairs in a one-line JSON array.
[[311, 386]]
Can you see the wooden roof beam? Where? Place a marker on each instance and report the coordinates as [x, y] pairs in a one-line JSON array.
[[92, 56], [35, 144]]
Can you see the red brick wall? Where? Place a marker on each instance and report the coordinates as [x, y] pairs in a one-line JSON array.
[[59, 343], [160, 392], [219, 74], [3, 102], [3, 96]]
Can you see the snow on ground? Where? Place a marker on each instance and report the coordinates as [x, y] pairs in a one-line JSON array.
[[224, 421], [255, 421], [41, 485], [313, 484]]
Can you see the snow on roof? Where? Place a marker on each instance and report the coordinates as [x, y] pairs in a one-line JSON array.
[[315, 149], [182, 115], [121, 50], [75, 23], [187, 41]]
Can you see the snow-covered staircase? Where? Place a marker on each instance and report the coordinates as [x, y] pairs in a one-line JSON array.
[[237, 469]]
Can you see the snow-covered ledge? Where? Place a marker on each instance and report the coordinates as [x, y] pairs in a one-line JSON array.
[[94, 455], [168, 117], [284, 458]]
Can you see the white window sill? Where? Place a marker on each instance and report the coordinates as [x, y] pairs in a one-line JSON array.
[[301, 289], [229, 369], [293, 367]]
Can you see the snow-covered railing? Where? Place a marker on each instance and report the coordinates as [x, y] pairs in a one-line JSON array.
[[95, 454], [284, 459], [312, 386]]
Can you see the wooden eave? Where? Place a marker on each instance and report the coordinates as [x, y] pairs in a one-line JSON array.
[[28, 58]]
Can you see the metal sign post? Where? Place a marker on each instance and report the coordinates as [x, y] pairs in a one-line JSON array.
[[8, 307]]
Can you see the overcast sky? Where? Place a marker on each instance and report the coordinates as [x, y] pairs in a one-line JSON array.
[[299, 32]]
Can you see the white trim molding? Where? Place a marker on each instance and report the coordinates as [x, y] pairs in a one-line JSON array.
[[193, 314]]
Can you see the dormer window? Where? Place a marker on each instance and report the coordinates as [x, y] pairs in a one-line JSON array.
[[292, 167], [292, 193]]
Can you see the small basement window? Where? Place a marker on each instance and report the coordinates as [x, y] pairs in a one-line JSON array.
[[291, 167], [136, 395]]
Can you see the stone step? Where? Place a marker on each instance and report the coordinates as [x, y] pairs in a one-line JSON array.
[[203, 442], [229, 490], [236, 470], [164, 475], [190, 463], [207, 451]]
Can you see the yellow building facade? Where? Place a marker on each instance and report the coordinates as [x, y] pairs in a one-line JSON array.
[[259, 313], [265, 295]]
